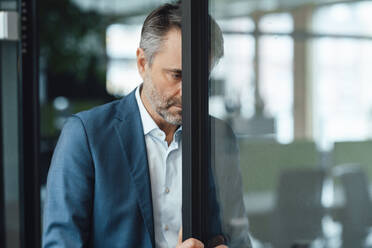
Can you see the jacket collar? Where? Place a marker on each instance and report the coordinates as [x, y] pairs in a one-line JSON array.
[[132, 140]]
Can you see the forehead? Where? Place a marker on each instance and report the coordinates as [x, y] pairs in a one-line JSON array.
[[170, 54]]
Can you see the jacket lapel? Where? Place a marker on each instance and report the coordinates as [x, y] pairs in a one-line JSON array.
[[132, 140]]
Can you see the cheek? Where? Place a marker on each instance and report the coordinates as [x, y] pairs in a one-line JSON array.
[[164, 87], [161, 87]]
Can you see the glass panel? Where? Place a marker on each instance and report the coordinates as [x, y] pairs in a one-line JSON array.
[[236, 69], [342, 113], [290, 105], [10, 140], [10, 164]]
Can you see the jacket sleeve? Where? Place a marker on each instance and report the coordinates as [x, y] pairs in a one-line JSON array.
[[229, 185], [68, 206], [214, 228]]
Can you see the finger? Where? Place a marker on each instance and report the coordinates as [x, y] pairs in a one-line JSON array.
[[192, 243]]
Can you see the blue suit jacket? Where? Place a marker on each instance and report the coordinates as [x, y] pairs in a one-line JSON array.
[[98, 188]]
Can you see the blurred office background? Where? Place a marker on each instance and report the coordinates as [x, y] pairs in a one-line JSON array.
[[295, 85]]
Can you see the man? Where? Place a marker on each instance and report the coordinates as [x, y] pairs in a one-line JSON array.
[[115, 177]]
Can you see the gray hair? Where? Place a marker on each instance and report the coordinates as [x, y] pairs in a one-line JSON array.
[[168, 16]]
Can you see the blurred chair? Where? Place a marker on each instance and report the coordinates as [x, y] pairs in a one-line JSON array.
[[261, 162], [298, 211], [356, 216], [354, 152]]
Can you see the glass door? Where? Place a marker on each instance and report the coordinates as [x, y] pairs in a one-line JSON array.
[[287, 120]]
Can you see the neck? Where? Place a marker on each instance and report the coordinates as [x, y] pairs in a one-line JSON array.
[[168, 128]]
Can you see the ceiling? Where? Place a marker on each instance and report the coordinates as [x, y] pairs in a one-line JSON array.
[[219, 8]]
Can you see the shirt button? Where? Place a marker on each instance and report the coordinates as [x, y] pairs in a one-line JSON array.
[[166, 228], [167, 190]]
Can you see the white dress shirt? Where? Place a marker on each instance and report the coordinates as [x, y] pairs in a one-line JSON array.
[[165, 166]]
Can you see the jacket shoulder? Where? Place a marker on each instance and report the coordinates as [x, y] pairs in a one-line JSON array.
[[99, 113]]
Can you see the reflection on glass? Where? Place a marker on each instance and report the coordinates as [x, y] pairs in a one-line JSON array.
[[231, 84], [235, 71], [294, 165]]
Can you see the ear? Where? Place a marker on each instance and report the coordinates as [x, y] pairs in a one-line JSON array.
[[141, 62]]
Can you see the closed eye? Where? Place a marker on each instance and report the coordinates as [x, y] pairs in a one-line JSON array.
[[176, 76]]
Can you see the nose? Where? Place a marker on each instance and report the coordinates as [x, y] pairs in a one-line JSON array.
[[180, 89], [177, 91]]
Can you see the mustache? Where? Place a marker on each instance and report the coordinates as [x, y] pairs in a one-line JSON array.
[[174, 102]]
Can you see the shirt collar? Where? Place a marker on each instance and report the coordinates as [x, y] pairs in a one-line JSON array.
[[147, 121], [178, 134]]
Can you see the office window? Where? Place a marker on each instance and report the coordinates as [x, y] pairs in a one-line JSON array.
[[342, 75], [261, 183], [347, 18], [276, 69], [276, 23], [232, 78], [237, 24], [122, 41]]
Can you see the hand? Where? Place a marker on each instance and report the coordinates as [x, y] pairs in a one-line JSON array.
[[192, 243]]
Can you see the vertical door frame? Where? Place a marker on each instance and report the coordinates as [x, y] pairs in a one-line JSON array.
[[29, 126], [2, 193], [196, 122]]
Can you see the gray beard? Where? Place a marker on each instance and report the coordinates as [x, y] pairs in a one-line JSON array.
[[160, 104]]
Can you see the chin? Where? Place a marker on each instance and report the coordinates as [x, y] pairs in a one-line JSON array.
[[175, 120]]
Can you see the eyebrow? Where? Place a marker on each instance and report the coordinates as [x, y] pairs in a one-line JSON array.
[[174, 70]]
